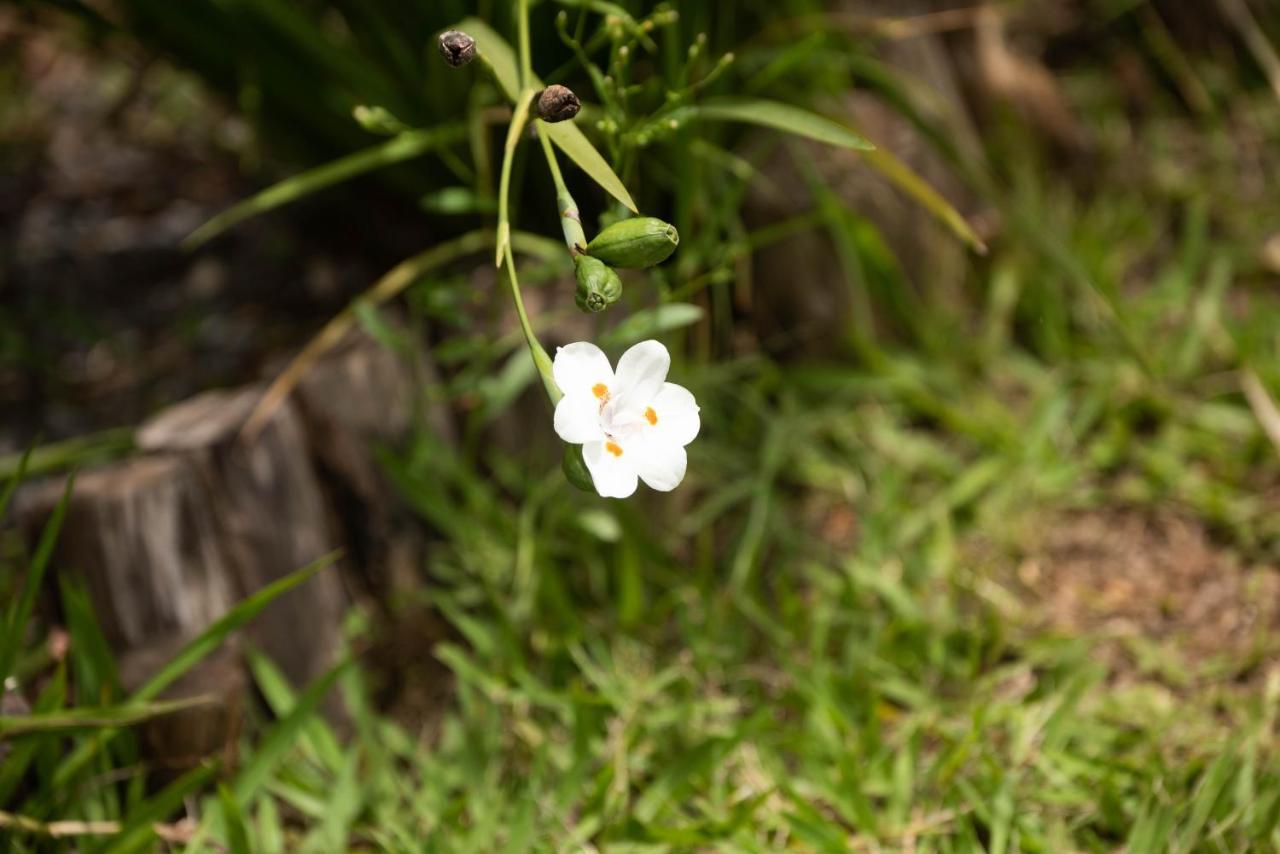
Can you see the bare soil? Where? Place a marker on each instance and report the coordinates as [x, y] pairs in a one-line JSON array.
[[1161, 597]]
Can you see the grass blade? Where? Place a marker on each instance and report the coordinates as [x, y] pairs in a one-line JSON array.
[[573, 142], [282, 736], [20, 611], [137, 832], [15, 480], [566, 135], [191, 654], [778, 116], [908, 181], [72, 720], [406, 146], [213, 637], [390, 285], [237, 834]]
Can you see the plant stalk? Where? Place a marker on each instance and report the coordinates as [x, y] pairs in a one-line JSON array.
[[570, 222]]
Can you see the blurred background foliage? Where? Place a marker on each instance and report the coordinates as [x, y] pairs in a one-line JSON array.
[[977, 548]]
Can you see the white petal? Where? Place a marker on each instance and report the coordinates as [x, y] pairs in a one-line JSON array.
[[614, 474], [577, 419], [676, 413], [660, 464], [580, 366], [641, 372]]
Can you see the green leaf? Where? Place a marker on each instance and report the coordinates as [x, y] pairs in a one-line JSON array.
[[569, 139], [282, 737], [906, 180], [15, 481], [799, 122], [406, 146], [20, 611], [137, 832], [280, 697], [191, 654], [52, 697], [93, 718], [772, 114], [237, 833], [566, 135], [270, 836], [652, 321], [213, 637]]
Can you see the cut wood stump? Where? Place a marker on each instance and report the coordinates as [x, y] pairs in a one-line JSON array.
[[169, 540]]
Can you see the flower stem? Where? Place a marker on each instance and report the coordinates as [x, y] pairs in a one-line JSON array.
[[540, 358], [518, 119], [526, 56], [574, 237]]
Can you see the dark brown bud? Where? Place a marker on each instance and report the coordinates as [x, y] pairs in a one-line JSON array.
[[457, 48], [557, 104]]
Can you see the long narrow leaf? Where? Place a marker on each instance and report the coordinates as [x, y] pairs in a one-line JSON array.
[[778, 116], [390, 285], [15, 480], [214, 636], [569, 139], [566, 135], [406, 146], [190, 655], [137, 832], [72, 720], [799, 122], [20, 611], [282, 736], [237, 834]]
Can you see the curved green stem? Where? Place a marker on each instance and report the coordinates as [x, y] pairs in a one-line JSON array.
[[540, 358], [526, 56], [518, 119], [574, 237]]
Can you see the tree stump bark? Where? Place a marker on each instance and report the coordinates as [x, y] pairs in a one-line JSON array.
[[265, 505], [169, 540]]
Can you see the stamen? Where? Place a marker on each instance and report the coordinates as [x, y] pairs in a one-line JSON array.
[[601, 391], [613, 448], [651, 416]]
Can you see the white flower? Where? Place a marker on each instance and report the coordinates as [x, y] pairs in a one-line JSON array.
[[632, 424]]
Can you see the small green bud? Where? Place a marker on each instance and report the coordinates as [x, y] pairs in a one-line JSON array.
[[641, 241], [575, 469], [598, 284]]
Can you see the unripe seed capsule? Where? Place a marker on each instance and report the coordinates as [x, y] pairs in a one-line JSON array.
[[641, 241], [598, 284]]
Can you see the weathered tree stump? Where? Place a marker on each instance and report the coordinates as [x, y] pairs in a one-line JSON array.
[[204, 516], [265, 505]]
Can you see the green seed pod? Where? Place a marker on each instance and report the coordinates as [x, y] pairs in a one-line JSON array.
[[575, 469], [633, 243], [598, 284]]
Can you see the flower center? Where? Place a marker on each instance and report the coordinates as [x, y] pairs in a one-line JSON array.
[[613, 448], [651, 416], [601, 391]]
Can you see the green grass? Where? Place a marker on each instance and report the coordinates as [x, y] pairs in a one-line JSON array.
[[804, 647]]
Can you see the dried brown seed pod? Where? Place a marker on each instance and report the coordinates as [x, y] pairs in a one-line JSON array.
[[557, 103], [457, 48]]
